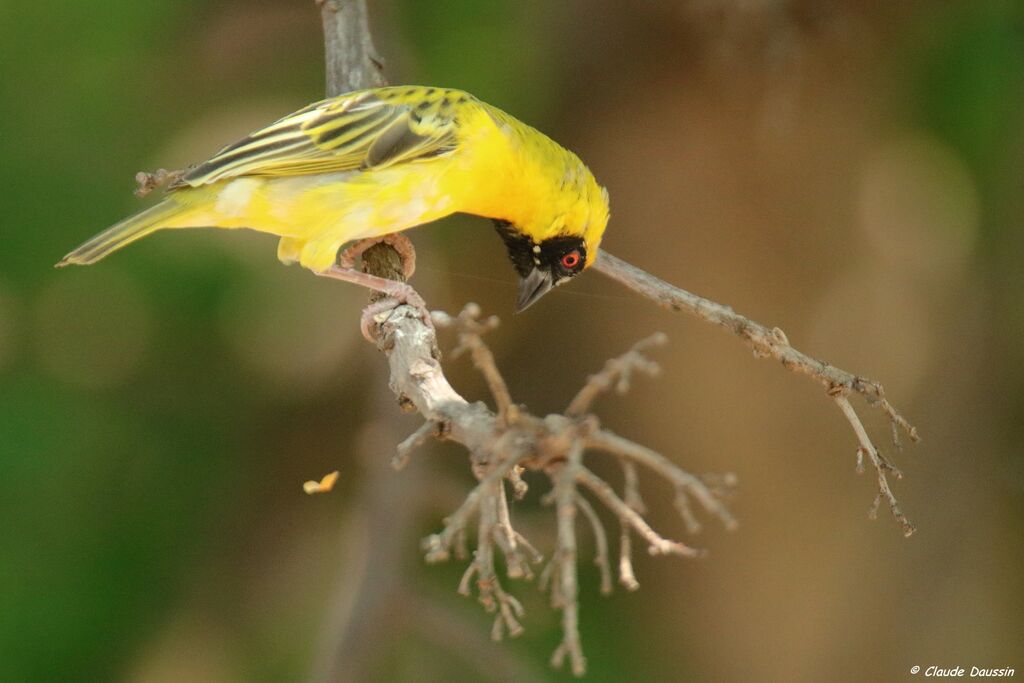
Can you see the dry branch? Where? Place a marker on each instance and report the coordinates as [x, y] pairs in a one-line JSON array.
[[503, 443], [772, 343]]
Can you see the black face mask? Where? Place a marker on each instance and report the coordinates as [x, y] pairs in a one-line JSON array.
[[542, 265]]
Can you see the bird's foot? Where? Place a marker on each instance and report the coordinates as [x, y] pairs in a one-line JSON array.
[[396, 240], [396, 293]]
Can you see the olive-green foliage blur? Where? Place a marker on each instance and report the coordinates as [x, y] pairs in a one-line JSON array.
[[848, 171]]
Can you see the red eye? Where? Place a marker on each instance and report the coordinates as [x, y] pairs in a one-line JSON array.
[[571, 260]]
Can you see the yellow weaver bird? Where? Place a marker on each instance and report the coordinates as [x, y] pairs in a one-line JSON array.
[[366, 164]]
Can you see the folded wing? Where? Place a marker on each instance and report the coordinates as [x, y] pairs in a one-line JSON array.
[[359, 131]]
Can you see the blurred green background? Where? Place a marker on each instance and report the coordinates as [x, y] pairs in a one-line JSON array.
[[849, 171]]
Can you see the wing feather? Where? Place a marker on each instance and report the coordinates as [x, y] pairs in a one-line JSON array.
[[359, 131]]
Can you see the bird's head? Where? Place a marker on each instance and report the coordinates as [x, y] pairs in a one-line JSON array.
[[544, 262]]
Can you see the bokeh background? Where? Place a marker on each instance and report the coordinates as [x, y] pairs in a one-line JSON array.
[[849, 171]]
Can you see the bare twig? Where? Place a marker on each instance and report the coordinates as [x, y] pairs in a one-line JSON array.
[[631, 486], [627, 577], [769, 343], [414, 441], [881, 466], [564, 587], [492, 595], [656, 544], [766, 342], [617, 373], [631, 497], [517, 564], [600, 544], [471, 330], [683, 481]]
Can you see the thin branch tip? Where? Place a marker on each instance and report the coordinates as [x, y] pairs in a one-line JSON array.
[[867, 450], [773, 343]]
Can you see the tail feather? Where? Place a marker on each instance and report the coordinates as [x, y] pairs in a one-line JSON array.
[[123, 233]]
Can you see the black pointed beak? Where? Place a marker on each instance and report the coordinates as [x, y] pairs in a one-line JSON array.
[[533, 287]]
